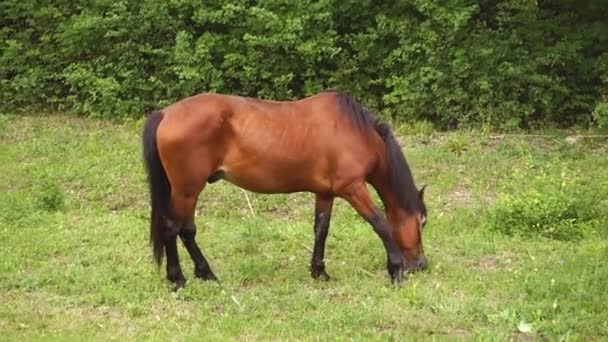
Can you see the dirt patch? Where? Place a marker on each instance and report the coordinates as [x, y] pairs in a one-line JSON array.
[[456, 293], [493, 142], [489, 264], [462, 195], [457, 197], [523, 337], [459, 332]]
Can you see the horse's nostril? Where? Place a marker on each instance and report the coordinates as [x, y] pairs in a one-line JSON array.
[[422, 263]]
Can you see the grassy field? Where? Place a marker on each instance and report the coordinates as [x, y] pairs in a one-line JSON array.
[[75, 261]]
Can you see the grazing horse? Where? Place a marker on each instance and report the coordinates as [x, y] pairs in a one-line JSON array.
[[327, 144]]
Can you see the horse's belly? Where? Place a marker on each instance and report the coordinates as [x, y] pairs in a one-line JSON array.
[[276, 179], [276, 162]]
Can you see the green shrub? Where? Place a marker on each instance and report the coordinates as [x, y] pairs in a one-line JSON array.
[[417, 128], [457, 144], [600, 114], [551, 205], [49, 195], [507, 64]]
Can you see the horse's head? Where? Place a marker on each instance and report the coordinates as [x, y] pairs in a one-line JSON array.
[[407, 232]]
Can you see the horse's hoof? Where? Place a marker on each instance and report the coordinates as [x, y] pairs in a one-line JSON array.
[[179, 284], [398, 283], [398, 279], [323, 276], [320, 275], [205, 275]]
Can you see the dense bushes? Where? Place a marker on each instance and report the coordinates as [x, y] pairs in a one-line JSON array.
[[556, 203], [505, 63]]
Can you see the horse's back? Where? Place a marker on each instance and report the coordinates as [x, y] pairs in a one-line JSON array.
[[304, 145]]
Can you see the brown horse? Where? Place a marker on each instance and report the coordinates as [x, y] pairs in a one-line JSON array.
[[326, 144]]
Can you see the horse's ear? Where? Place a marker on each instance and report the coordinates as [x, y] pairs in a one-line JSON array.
[[421, 192]]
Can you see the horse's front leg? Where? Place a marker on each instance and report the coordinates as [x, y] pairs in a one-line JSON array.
[[323, 206], [358, 197]]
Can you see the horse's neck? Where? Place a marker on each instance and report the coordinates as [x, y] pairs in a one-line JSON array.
[[392, 208]]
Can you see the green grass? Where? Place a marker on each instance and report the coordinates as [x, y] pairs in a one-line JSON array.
[[75, 261]]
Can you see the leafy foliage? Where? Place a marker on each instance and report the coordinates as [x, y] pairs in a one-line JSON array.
[[50, 197], [553, 204], [498, 63]]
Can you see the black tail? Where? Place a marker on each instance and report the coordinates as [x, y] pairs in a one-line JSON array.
[[160, 189]]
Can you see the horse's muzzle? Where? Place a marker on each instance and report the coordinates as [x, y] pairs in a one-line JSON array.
[[418, 265]]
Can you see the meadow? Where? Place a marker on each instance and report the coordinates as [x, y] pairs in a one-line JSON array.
[[517, 240]]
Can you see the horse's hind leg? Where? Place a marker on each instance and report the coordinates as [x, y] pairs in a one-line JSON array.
[[202, 270], [174, 270], [183, 207], [188, 165], [184, 196]]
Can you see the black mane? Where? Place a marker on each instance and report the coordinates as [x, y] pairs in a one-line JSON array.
[[401, 179]]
